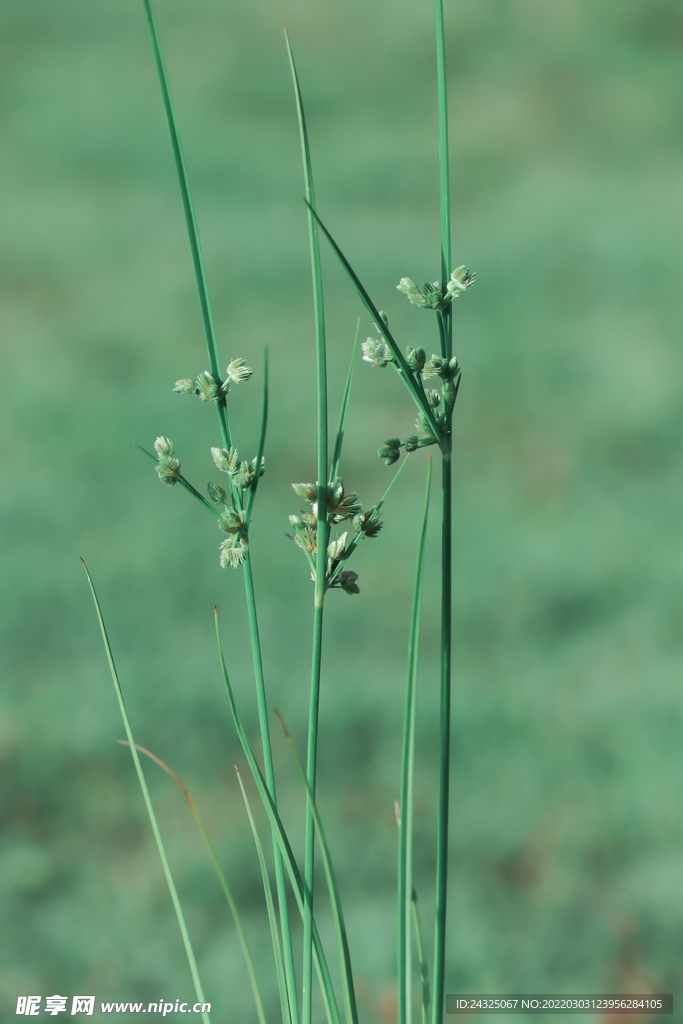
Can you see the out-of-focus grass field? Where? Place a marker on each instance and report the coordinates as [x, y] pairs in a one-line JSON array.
[[567, 827]]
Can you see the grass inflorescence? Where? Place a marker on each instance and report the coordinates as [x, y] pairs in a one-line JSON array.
[[328, 530]]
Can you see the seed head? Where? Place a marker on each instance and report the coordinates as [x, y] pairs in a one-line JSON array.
[[232, 553], [163, 446], [208, 388], [225, 459], [336, 548], [168, 469], [308, 492], [232, 520], [461, 280], [216, 493], [377, 352], [236, 372], [390, 451], [347, 581], [416, 357], [185, 387]]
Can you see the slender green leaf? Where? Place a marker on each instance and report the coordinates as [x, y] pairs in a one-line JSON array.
[[446, 541], [189, 952], [336, 457], [337, 912], [190, 220], [405, 843], [186, 484], [402, 366], [221, 877], [280, 835], [323, 532], [277, 952], [262, 436]]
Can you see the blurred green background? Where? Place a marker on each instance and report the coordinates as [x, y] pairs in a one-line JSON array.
[[567, 149]]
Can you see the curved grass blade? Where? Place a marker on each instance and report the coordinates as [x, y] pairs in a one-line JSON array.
[[402, 366], [189, 952], [331, 1009], [405, 818], [190, 220], [339, 440], [337, 913], [221, 877], [277, 952]]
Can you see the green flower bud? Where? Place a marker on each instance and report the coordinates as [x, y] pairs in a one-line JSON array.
[[185, 387], [306, 491], [163, 446], [232, 520], [416, 357], [433, 367], [368, 523], [225, 459], [168, 469], [390, 451], [216, 493], [433, 397], [377, 352], [232, 553], [237, 371], [411, 443], [208, 388], [423, 426], [336, 548], [461, 280], [347, 581]]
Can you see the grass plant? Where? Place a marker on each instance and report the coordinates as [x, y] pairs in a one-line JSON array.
[[327, 553]]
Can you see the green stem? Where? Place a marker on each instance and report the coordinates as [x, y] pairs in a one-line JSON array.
[[444, 161], [288, 955], [323, 533], [406, 804], [444, 741]]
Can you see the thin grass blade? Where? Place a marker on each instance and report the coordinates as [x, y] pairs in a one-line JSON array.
[[190, 219], [189, 952], [337, 912], [323, 533], [339, 440], [221, 877], [405, 831], [185, 483], [402, 366], [446, 545], [262, 436], [272, 918], [331, 1008]]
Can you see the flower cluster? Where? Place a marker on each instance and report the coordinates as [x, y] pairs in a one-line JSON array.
[[432, 296], [340, 506], [243, 474], [208, 387], [168, 466]]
